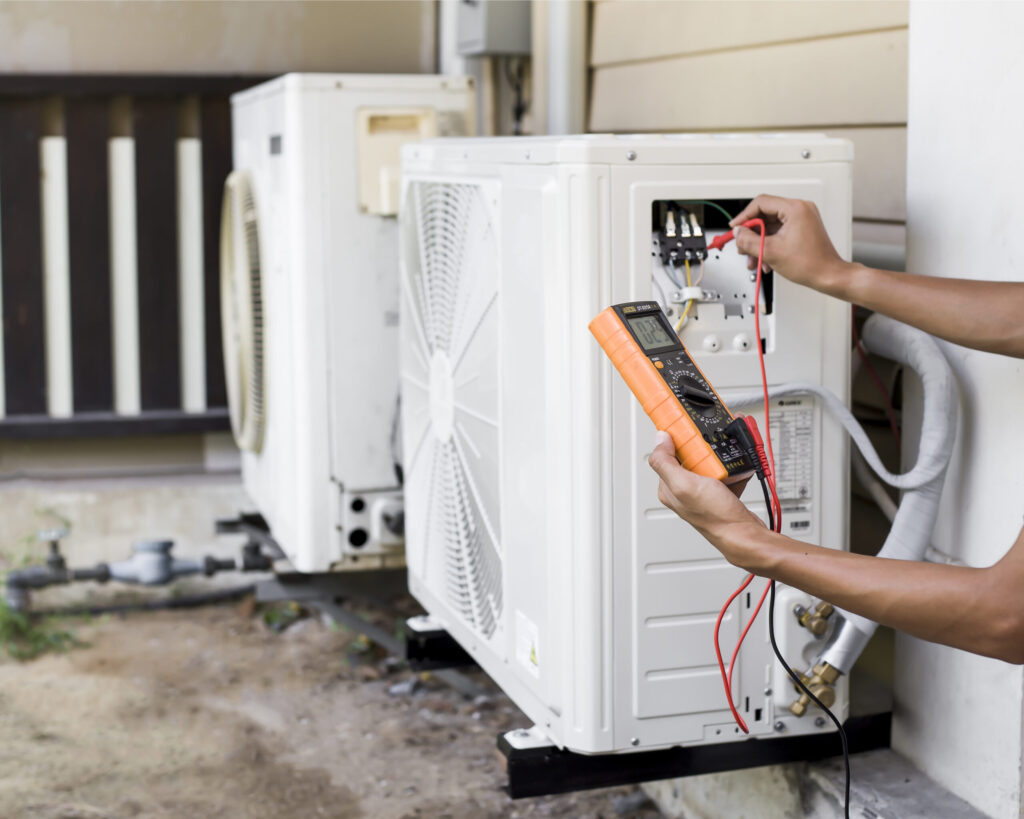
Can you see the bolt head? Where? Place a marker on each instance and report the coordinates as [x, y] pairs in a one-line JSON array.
[[634, 741], [630, 155]]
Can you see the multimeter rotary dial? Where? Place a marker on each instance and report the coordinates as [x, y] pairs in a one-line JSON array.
[[691, 389]]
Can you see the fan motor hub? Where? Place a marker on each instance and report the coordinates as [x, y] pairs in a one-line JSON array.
[[442, 397]]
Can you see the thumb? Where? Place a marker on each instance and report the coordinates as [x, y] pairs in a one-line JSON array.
[[663, 457]]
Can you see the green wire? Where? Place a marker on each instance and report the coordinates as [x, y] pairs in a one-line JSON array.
[[717, 207]]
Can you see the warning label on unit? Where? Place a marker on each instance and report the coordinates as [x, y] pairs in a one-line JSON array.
[[527, 644]]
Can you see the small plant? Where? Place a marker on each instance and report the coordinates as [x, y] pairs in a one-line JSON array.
[[279, 616], [23, 639]]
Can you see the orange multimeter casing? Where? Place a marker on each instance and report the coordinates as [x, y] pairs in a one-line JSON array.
[[670, 387]]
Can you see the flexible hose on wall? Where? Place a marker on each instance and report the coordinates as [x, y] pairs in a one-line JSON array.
[[910, 535]]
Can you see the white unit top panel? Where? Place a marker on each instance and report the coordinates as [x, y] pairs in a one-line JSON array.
[[637, 149], [351, 82]]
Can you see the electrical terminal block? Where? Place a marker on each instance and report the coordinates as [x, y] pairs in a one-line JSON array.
[[680, 237]]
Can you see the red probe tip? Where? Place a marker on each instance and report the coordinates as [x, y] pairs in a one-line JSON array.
[[721, 241]]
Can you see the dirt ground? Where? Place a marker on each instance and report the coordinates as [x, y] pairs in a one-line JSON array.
[[212, 713]]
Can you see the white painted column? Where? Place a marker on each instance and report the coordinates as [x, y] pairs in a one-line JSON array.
[[53, 160], [959, 716], [191, 312], [124, 287]]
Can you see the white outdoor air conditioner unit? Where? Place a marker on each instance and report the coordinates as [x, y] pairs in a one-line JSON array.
[[309, 302], [534, 533]]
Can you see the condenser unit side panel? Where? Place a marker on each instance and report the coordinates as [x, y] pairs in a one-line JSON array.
[[362, 126], [579, 290], [538, 643], [311, 541], [361, 312], [259, 125]]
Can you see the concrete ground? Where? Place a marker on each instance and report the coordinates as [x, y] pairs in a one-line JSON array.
[[212, 713]]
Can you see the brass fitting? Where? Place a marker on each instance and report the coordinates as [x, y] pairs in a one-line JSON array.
[[821, 683], [814, 621]]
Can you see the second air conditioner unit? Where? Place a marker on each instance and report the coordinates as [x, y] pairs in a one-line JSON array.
[[309, 298], [535, 536]]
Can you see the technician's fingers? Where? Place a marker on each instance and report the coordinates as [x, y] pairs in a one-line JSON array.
[[763, 206], [679, 481], [747, 241], [663, 456]]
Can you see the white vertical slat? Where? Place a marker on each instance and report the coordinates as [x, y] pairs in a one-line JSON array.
[[56, 276], [124, 285], [192, 325]]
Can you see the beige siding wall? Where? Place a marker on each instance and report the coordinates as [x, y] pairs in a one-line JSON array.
[[690, 65], [219, 36]]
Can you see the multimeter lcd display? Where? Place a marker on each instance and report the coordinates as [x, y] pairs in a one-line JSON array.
[[651, 333]]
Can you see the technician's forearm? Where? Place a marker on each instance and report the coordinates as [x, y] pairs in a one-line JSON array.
[[954, 605], [978, 314]]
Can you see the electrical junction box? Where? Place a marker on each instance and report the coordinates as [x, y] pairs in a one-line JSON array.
[[493, 27], [309, 293], [534, 533]]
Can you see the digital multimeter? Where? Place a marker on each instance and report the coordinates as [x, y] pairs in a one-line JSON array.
[[641, 343]]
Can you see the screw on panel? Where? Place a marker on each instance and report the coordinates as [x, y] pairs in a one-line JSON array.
[[819, 722], [630, 155], [780, 726], [634, 741], [753, 277], [767, 692], [805, 154]]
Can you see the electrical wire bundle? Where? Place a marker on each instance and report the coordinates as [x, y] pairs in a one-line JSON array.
[[747, 433]]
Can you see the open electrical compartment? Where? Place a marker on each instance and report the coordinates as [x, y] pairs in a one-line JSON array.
[[535, 537]]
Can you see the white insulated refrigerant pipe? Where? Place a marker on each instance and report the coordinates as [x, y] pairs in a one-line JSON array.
[[910, 535]]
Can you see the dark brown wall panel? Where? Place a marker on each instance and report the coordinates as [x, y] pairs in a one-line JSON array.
[[86, 126], [21, 247], [215, 131], [155, 126]]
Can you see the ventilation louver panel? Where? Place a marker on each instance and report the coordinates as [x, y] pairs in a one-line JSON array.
[[450, 397], [241, 304]]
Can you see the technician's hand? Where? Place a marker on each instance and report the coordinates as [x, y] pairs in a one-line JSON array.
[[710, 506], [797, 245]]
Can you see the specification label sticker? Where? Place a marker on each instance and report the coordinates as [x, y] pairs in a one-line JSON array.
[[793, 441]]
